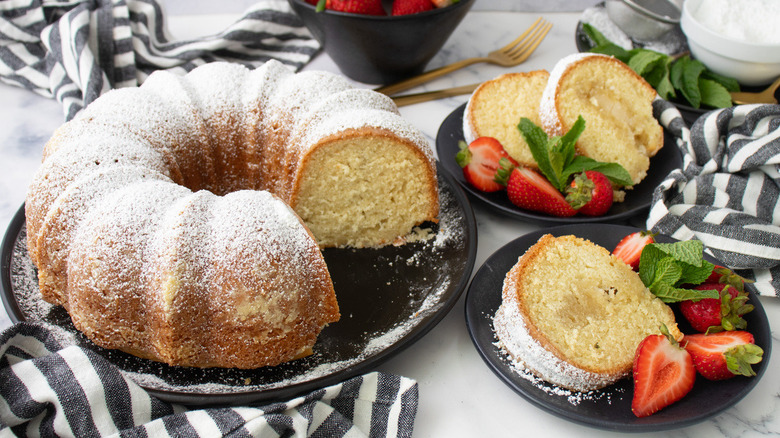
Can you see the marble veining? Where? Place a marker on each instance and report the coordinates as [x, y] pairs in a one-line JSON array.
[[459, 395]]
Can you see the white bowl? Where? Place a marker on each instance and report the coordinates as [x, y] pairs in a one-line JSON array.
[[749, 63]]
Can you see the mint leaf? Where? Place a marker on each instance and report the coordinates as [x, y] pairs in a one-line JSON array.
[[538, 143], [672, 78], [557, 158], [676, 72], [664, 267], [644, 61], [692, 69], [569, 139], [714, 94], [595, 36], [667, 272], [688, 251], [669, 294], [615, 172], [730, 84]]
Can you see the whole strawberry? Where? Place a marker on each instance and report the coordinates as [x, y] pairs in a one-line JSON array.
[[590, 193], [714, 315], [720, 356], [365, 7], [663, 374], [406, 7], [480, 161], [530, 190]]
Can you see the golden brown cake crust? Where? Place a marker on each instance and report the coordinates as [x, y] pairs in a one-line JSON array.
[[616, 104], [550, 313], [145, 222], [496, 107]]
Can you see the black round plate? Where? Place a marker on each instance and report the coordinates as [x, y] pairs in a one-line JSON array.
[[388, 297], [610, 407], [637, 200]]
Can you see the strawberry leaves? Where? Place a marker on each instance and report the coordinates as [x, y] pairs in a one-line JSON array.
[[557, 159]]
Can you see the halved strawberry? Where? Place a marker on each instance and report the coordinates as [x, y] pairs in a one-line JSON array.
[[629, 249], [590, 193], [723, 355], [712, 314], [663, 374], [530, 190], [480, 160]]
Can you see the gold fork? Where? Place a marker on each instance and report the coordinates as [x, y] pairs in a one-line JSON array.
[[510, 55], [765, 96]]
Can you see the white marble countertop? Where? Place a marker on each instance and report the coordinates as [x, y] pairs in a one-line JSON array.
[[459, 395]]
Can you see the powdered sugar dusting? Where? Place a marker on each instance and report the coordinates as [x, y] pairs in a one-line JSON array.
[[441, 258], [548, 112]]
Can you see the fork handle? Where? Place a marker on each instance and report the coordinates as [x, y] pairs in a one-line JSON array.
[[427, 76], [408, 99]]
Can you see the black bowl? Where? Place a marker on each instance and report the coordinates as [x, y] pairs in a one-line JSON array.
[[381, 49]]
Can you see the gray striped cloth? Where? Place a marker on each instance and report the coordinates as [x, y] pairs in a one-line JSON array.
[[728, 192], [47, 390], [76, 50]]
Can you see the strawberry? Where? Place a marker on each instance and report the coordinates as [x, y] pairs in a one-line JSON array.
[[713, 314], [663, 373], [720, 356], [365, 7], [629, 249], [529, 190], [480, 160], [406, 7], [590, 193]]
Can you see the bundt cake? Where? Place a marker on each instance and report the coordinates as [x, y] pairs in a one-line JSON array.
[[496, 107], [182, 221], [616, 104], [573, 314]]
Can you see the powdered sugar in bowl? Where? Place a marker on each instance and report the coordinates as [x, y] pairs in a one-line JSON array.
[[736, 38]]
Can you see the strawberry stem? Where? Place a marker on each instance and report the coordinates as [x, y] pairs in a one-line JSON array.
[[505, 168]]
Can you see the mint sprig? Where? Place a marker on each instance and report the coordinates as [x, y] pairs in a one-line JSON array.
[[681, 78], [557, 158], [665, 267]]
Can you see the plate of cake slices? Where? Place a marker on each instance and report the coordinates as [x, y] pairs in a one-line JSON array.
[[610, 406], [417, 284], [637, 200]]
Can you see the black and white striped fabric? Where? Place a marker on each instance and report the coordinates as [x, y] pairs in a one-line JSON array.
[[728, 192], [47, 390], [76, 50]]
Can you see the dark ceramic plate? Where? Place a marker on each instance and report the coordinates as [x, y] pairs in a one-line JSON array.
[[637, 200], [388, 297], [610, 407]]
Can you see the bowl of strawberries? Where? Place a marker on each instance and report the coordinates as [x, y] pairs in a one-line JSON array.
[[381, 41]]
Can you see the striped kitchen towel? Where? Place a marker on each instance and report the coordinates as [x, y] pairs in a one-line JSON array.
[[47, 390], [76, 50], [728, 192]]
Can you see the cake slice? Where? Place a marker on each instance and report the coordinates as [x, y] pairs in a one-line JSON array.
[[496, 107], [573, 314], [616, 103]]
